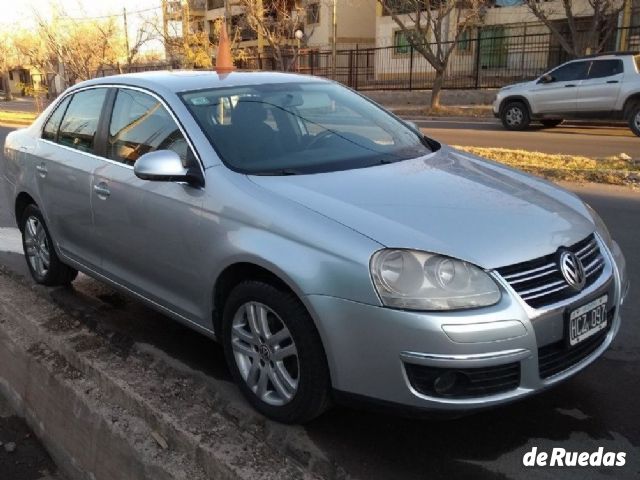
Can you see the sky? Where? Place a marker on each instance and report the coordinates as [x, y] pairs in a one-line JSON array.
[[19, 13]]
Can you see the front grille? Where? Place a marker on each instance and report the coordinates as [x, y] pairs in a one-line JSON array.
[[558, 356], [470, 382], [539, 282]]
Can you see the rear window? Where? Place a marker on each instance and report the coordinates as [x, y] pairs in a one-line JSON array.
[[50, 130], [605, 68], [78, 128]]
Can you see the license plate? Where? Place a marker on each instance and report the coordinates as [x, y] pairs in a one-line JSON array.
[[587, 320]]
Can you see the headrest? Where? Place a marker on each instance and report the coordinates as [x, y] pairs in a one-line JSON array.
[[248, 112]]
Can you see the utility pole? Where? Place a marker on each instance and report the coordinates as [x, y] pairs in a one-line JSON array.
[[186, 26], [227, 15], [260, 35], [126, 35], [334, 53]]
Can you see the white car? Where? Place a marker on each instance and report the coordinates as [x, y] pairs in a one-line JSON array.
[[596, 88]]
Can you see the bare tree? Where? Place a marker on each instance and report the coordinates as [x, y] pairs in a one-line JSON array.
[[33, 48], [588, 36], [84, 46], [276, 21], [136, 52], [433, 29], [7, 58]]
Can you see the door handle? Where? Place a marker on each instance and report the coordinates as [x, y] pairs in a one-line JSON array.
[[612, 81], [101, 190], [570, 85], [42, 170]]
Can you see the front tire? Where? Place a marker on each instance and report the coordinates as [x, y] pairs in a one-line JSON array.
[[274, 352], [43, 262], [634, 119], [551, 123], [515, 116]]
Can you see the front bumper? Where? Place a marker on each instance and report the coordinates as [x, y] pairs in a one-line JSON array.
[[369, 347], [496, 106]]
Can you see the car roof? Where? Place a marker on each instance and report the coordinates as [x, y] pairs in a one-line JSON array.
[[176, 81], [608, 55]]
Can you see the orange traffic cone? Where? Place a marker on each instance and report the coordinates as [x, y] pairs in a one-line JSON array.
[[224, 61]]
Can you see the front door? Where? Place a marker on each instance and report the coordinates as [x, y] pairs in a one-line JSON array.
[[561, 93], [149, 232]]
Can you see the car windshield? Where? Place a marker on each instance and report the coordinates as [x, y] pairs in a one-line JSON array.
[[296, 128]]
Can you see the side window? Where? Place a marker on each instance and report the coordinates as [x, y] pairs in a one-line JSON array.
[[80, 122], [605, 68], [50, 130], [141, 124], [571, 71]]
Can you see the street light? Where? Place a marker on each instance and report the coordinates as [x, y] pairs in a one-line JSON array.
[[299, 34], [334, 53]]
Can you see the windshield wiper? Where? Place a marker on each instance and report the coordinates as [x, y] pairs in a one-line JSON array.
[[278, 172]]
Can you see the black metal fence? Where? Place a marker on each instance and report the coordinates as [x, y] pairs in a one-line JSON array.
[[482, 60]]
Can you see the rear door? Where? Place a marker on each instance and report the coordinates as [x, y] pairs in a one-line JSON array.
[[561, 94], [65, 160], [149, 232], [599, 91]]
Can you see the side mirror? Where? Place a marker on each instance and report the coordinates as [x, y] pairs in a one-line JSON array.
[[162, 166], [546, 79]]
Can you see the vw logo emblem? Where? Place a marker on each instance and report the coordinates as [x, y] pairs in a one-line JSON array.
[[572, 270], [265, 352]]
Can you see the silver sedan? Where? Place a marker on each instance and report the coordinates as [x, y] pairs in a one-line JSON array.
[[335, 251]]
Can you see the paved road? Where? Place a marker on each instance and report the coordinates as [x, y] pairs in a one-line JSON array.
[[597, 408], [590, 141]]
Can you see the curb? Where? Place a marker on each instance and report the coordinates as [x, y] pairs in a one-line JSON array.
[[14, 124], [106, 408]]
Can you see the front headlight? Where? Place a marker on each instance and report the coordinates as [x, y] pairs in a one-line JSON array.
[[425, 281], [601, 228]]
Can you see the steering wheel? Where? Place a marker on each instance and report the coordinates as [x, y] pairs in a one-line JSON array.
[[320, 137]]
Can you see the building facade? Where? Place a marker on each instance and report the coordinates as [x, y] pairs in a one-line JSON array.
[[511, 42]]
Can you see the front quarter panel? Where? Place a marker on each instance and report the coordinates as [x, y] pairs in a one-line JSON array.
[[309, 252]]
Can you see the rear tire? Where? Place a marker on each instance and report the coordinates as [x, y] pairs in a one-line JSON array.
[[287, 353], [43, 262], [551, 123], [515, 116], [634, 119]]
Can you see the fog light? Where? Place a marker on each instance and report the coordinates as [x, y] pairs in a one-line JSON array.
[[447, 382]]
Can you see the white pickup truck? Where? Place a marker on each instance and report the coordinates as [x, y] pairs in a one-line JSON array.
[[597, 87]]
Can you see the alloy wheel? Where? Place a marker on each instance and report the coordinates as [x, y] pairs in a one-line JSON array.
[[36, 246], [636, 120], [514, 116], [265, 353]]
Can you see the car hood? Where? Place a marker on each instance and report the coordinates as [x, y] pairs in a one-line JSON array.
[[518, 86], [447, 202]]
